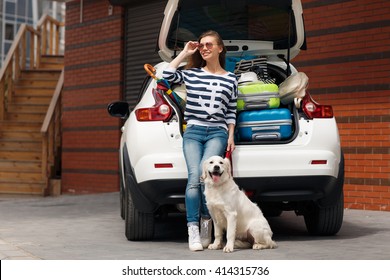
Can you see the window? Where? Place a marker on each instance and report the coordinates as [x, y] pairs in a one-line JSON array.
[[10, 7], [9, 32], [22, 8]]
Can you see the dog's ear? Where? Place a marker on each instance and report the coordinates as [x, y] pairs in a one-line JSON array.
[[204, 171], [228, 166]]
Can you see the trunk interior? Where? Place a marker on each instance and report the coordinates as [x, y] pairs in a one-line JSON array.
[[275, 75]]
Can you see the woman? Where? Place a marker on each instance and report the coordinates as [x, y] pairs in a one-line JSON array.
[[210, 115]]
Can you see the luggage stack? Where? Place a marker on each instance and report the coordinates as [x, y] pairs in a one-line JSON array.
[[259, 117]]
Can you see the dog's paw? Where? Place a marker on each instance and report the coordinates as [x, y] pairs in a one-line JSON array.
[[215, 246], [228, 249], [259, 246]]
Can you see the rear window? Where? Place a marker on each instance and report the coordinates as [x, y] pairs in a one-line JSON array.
[[255, 20]]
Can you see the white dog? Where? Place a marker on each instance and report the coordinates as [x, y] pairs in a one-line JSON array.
[[232, 211]]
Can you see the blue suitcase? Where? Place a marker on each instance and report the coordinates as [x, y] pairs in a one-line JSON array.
[[269, 124]]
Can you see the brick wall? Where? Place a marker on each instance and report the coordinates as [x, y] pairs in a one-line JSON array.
[[348, 63], [93, 75]]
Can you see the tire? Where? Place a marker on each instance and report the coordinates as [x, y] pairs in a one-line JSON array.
[[325, 221], [122, 200], [139, 226]]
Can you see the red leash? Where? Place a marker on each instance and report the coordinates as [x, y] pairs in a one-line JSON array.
[[228, 155]]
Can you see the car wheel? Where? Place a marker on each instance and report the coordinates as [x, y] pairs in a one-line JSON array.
[[122, 199], [325, 220], [139, 226]]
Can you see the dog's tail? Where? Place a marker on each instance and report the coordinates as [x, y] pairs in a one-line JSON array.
[[239, 244]]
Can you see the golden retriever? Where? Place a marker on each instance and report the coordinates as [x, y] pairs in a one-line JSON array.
[[232, 211]]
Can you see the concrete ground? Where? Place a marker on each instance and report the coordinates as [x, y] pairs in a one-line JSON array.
[[89, 227]]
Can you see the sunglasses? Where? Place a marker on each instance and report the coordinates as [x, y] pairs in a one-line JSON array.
[[208, 45]]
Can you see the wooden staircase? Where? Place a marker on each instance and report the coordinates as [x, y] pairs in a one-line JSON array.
[[30, 108], [20, 131]]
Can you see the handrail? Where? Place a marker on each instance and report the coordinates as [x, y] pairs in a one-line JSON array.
[[51, 131], [45, 25], [11, 51], [10, 70], [53, 103], [46, 18]]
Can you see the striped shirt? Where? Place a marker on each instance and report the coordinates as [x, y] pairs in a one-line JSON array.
[[211, 98]]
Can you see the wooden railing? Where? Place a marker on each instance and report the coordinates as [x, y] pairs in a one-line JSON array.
[[51, 132], [50, 30], [25, 53]]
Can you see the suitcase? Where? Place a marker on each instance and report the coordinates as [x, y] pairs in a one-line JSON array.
[[257, 96], [269, 124]]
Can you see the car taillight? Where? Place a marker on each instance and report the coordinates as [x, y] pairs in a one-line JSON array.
[[314, 110], [160, 111]]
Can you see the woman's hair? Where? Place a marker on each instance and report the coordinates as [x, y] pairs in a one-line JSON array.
[[196, 60]]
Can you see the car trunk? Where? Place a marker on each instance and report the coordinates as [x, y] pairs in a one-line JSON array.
[[278, 75], [271, 31]]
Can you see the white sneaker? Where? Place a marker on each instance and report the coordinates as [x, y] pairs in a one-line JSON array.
[[194, 239], [206, 226]]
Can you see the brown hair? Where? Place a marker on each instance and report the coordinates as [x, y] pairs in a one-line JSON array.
[[196, 60]]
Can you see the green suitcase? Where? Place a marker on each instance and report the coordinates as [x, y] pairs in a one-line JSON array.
[[257, 95]]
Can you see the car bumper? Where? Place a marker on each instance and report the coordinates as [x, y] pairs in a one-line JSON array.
[[264, 189]]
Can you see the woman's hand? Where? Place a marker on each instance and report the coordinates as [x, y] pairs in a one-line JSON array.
[[191, 47], [230, 144]]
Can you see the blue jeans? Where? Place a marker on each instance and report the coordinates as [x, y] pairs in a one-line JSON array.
[[200, 143]]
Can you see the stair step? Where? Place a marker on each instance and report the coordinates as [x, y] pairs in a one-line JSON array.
[[21, 155], [36, 83], [20, 145], [53, 66], [26, 91], [53, 59], [13, 126], [19, 124], [21, 166], [21, 135], [41, 74], [26, 117], [16, 176], [32, 100], [36, 188], [27, 108]]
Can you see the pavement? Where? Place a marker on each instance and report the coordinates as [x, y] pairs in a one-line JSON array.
[[89, 227]]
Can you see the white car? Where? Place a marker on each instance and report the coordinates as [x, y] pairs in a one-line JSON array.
[[303, 173]]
